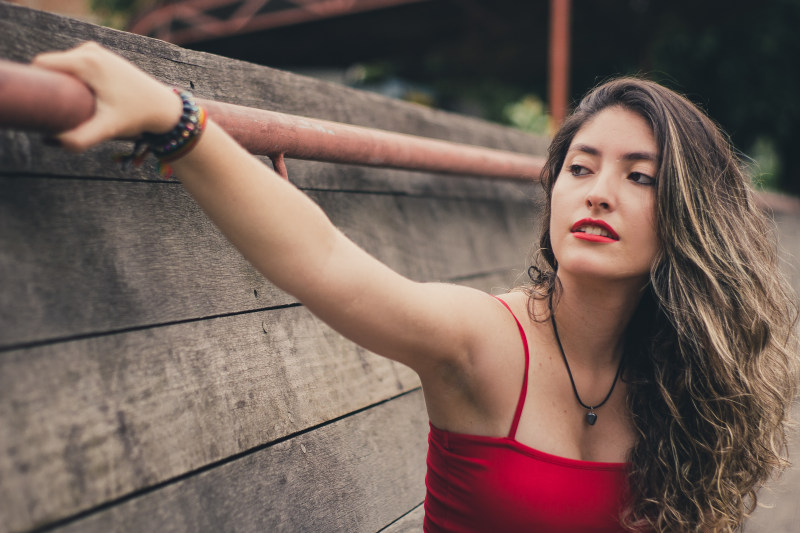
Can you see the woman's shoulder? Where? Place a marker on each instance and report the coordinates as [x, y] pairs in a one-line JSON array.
[[517, 301], [529, 316], [468, 397], [531, 313]]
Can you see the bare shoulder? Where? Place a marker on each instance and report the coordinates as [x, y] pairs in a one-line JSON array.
[[477, 322], [484, 321], [499, 363], [505, 343], [517, 300], [468, 396]]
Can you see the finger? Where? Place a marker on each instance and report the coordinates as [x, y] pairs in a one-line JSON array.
[[75, 61], [97, 129]]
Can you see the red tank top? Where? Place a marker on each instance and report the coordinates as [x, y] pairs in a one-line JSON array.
[[496, 484]]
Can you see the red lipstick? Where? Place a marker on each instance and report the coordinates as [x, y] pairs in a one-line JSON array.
[[609, 234]]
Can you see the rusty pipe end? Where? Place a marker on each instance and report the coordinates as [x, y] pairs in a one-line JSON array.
[[42, 100]]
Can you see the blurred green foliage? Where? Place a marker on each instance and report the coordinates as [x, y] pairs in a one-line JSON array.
[[528, 114], [743, 57], [117, 13]]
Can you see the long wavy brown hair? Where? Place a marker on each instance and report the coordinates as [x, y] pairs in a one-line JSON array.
[[711, 353]]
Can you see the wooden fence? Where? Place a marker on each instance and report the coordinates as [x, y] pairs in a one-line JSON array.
[[151, 380]]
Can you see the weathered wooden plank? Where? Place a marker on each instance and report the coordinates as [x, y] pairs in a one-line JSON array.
[[323, 176], [94, 419], [89, 420], [410, 523], [78, 257], [354, 475], [25, 154]]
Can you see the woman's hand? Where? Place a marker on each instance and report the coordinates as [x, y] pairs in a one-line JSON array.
[[128, 101]]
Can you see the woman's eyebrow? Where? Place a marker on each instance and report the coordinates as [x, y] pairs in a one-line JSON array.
[[639, 156], [585, 148], [631, 156]]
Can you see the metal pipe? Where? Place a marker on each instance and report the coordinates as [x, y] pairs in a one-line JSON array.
[[41, 100], [36, 99], [559, 60]]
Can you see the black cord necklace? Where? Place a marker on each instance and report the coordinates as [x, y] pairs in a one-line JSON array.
[[591, 416]]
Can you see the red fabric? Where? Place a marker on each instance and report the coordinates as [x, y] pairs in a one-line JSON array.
[[494, 484]]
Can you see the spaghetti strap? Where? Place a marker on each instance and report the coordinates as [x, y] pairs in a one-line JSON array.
[[523, 393]]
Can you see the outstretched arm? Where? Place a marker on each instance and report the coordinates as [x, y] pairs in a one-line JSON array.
[[280, 231]]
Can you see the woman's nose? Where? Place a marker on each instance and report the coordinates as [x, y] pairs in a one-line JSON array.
[[601, 195]]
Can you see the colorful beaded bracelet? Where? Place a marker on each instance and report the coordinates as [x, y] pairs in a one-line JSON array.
[[174, 144]]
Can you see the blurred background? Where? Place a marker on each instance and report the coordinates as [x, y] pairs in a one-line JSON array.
[[737, 59]]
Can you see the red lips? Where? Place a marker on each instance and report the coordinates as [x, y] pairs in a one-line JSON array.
[[607, 234]]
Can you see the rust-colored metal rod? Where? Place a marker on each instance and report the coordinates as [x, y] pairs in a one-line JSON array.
[[559, 59], [36, 99], [41, 100], [267, 132]]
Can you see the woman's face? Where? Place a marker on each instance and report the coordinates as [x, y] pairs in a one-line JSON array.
[[602, 221]]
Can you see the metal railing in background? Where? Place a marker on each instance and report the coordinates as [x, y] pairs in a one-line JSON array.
[[183, 22], [35, 99]]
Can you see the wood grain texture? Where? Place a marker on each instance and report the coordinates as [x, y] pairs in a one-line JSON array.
[[144, 386], [355, 475], [24, 154], [90, 420], [79, 257]]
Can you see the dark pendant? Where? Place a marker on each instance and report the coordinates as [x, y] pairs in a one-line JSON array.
[[591, 418]]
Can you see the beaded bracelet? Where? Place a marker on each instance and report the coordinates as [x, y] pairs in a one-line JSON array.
[[174, 144]]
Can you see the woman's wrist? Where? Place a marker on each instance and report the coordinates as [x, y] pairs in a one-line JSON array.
[[180, 139], [168, 112], [175, 142]]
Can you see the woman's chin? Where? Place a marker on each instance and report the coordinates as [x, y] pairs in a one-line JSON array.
[[593, 272]]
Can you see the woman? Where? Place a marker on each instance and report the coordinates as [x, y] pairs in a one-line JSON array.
[[640, 382]]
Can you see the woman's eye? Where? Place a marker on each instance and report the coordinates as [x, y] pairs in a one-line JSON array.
[[578, 170], [641, 179]]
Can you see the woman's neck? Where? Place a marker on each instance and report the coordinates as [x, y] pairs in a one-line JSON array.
[[592, 317]]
